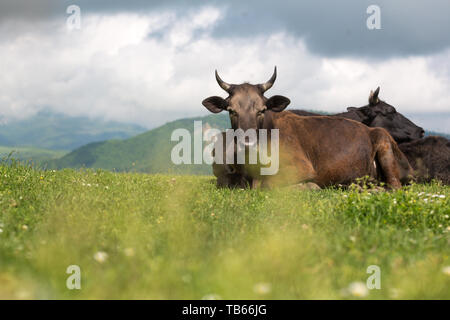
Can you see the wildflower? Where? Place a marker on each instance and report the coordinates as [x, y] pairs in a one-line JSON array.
[[1, 230], [446, 270], [358, 289], [100, 256], [262, 288], [25, 227], [305, 226]]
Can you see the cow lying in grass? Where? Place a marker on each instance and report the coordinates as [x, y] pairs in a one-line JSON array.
[[429, 156], [321, 149]]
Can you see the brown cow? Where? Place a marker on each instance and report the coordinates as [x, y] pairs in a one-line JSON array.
[[324, 150]]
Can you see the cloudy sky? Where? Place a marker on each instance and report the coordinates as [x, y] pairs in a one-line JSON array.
[[149, 62]]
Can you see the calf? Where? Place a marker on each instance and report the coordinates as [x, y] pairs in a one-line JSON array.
[[429, 157]]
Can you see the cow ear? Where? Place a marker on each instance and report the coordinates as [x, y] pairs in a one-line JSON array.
[[373, 97], [215, 104], [277, 103]]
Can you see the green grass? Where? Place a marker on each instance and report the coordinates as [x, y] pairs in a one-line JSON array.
[[179, 237]]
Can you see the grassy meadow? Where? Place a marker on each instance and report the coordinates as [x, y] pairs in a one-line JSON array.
[[143, 236]]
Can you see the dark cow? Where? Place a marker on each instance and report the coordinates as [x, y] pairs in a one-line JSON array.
[[320, 149], [430, 158], [379, 114]]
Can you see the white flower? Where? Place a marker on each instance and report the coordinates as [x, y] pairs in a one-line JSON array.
[[1, 230], [100, 256], [262, 288], [24, 227], [442, 196], [446, 270], [358, 289]]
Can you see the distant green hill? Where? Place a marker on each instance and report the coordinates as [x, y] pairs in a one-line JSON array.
[[29, 153], [47, 130], [148, 152]]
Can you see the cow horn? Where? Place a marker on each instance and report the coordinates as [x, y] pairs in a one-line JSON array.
[[373, 97], [375, 94], [225, 86], [266, 86]]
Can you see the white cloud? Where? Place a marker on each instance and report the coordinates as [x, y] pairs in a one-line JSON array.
[[153, 68]]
